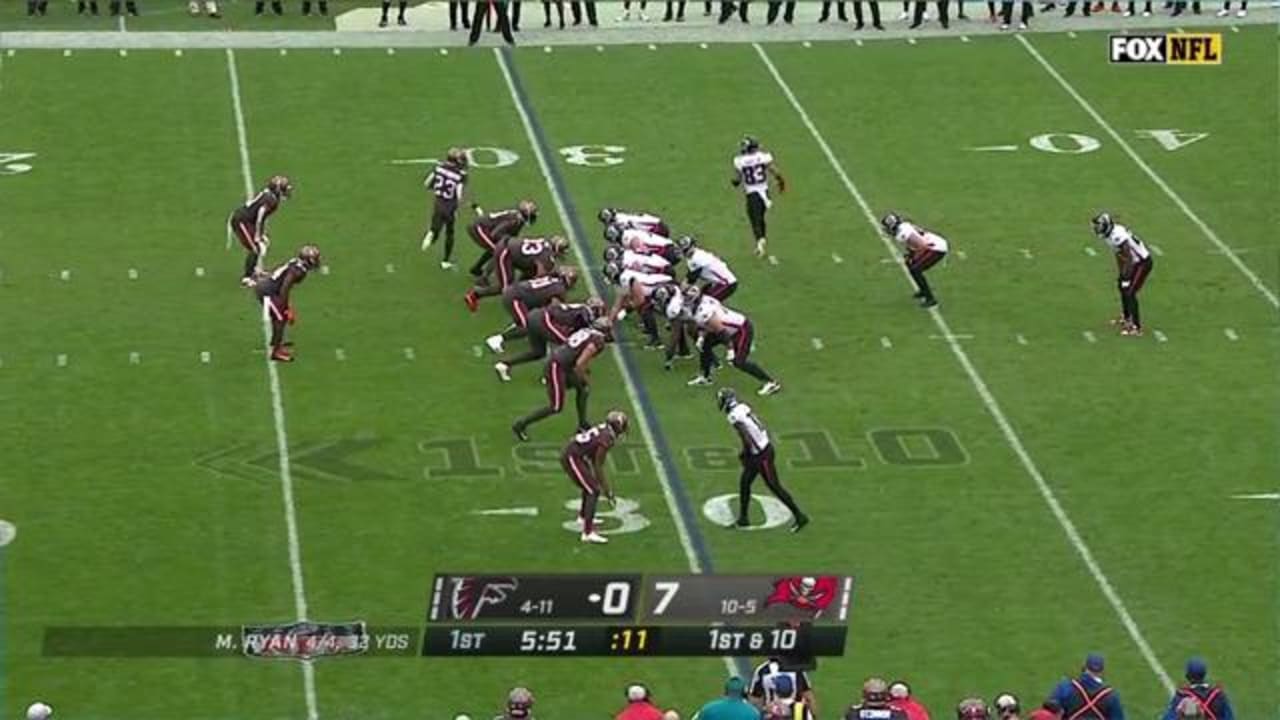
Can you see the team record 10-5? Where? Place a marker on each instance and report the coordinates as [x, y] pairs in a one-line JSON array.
[[638, 615]]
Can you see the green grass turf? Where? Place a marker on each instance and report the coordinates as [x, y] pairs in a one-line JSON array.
[[967, 583]]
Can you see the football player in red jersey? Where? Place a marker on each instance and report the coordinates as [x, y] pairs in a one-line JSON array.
[[519, 705], [527, 295], [446, 182], [491, 230], [273, 291], [532, 257], [547, 327], [249, 224], [583, 460], [568, 367]]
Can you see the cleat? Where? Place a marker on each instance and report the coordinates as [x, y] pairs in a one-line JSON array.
[[699, 380], [402, 22], [503, 370], [473, 302], [742, 523], [928, 302], [494, 342], [520, 433], [760, 247], [282, 354], [1146, 13], [593, 537], [1022, 26], [1242, 13], [770, 388], [729, 355], [246, 282], [799, 523], [427, 239], [1120, 321], [684, 356], [1131, 331], [382, 23], [446, 265], [653, 344]]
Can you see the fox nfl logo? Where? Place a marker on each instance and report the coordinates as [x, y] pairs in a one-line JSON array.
[[1167, 49]]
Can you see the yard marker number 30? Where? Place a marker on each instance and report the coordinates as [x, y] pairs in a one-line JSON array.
[[11, 163]]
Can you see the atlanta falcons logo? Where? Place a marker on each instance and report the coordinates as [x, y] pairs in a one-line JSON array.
[[471, 595]]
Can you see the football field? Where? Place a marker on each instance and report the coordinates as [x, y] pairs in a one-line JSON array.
[[1010, 482]]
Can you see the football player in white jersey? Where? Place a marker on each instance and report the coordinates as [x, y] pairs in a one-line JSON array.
[[752, 167], [1133, 263], [642, 241], [639, 220], [669, 300], [632, 260], [921, 250], [634, 290], [757, 458], [719, 324], [707, 268]]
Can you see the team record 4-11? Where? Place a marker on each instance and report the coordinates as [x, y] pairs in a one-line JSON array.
[[633, 615]]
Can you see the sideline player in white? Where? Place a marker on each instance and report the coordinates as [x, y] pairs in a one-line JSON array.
[[921, 249], [752, 167], [757, 458], [719, 324], [706, 267], [1133, 263]]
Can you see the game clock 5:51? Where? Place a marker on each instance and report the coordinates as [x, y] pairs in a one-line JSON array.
[[549, 641]]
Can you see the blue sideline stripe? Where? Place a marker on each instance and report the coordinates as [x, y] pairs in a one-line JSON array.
[[683, 504]]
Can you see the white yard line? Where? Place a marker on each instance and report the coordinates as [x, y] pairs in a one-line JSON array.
[[988, 399], [630, 382], [277, 411], [1208, 232]]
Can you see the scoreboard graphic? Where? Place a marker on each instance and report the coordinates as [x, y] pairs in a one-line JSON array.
[[798, 616]]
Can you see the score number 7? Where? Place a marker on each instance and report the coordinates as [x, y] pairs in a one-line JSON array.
[[668, 592]]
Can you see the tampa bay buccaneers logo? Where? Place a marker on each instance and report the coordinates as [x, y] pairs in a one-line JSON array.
[[471, 595], [812, 594]]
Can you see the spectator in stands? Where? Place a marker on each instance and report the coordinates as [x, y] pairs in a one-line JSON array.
[[972, 709], [546, 12], [1089, 695], [787, 16], [1006, 14], [733, 706], [458, 13], [921, 15], [639, 705], [1049, 710], [576, 9], [875, 703], [1007, 707], [1226, 9], [728, 8], [826, 11], [875, 15], [499, 9], [386, 10], [900, 698], [1210, 697]]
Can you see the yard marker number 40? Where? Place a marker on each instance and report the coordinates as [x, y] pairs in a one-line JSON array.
[[11, 163], [1063, 143]]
